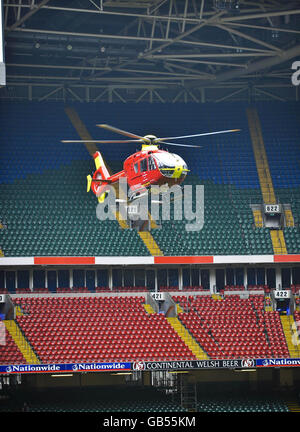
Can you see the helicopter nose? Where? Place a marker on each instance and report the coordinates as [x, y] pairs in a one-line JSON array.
[[179, 171]]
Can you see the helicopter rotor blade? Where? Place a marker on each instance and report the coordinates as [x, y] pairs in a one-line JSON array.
[[122, 132], [102, 141], [180, 145], [197, 135]]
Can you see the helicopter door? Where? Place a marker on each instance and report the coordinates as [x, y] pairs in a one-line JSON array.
[[144, 170]]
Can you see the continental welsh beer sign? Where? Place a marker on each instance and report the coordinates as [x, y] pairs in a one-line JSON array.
[[195, 364]]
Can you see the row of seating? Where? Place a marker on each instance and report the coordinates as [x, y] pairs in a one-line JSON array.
[[295, 289], [234, 327], [90, 400], [59, 220], [9, 353], [242, 404]]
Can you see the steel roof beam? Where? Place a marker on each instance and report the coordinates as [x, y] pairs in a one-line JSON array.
[[188, 18], [261, 15], [250, 38], [258, 27], [257, 66], [27, 15], [168, 42]]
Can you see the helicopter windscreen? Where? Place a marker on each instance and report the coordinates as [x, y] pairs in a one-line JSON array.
[[167, 162]]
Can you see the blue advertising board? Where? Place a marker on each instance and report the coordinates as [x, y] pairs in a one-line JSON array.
[[65, 367], [282, 362], [149, 366]]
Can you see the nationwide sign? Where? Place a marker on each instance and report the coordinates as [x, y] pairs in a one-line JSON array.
[[66, 367], [149, 366], [284, 362]]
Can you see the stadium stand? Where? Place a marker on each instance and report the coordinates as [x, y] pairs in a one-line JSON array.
[[101, 399], [68, 329], [95, 328], [45, 189], [234, 327], [46, 212]]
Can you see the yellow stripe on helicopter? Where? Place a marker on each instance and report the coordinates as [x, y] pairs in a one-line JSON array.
[[178, 170]]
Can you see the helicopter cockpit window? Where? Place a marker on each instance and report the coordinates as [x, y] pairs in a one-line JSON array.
[[165, 160], [143, 165], [136, 168], [168, 162], [180, 161], [151, 164]]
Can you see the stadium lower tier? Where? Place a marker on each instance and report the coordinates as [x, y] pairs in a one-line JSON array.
[[227, 404], [109, 399], [107, 329], [104, 399]]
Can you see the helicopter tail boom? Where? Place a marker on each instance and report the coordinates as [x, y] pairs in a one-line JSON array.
[[99, 182], [100, 165]]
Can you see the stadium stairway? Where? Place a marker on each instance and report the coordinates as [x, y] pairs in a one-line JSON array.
[[292, 338], [1, 251], [293, 406], [260, 157], [258, 220], [81, 130], [268, 304], [278, 242], [188, 338], [150, 243], [216, 297], [289, 218], [21, 342], [148, 308], [265, 179]]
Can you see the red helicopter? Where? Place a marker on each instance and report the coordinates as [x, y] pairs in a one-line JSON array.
[[147, 167]]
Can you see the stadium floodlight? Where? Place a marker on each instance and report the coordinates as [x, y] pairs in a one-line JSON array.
[[61, 375], [227, 4]]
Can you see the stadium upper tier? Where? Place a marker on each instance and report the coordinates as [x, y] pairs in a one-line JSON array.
[[46, 210]]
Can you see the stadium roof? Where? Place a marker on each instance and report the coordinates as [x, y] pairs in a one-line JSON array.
[[151, 50]]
